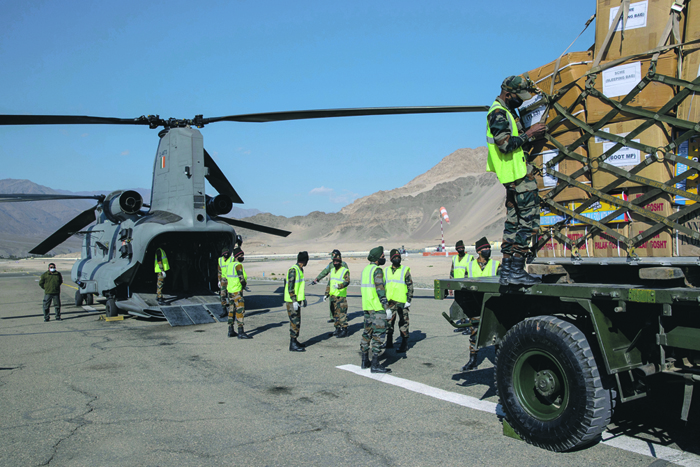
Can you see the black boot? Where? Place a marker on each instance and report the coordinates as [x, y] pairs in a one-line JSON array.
[[365, 360], [343, 333], [295, 347], [506, 270], [296, 341], [336, 332], [404, 344], [161, 302], [231, 332], [242, 334], [224, 313], [376, 367], [471, 364], [518, 275], [388, 342]]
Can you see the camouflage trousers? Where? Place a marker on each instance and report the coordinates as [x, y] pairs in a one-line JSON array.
[[339, 311], [159, 286], [374, 332], [237, 306], [397, 309], [294, 320], [224, 295], [522, 217]]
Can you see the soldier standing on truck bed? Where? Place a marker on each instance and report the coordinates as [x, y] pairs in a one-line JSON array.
[[506, 157]]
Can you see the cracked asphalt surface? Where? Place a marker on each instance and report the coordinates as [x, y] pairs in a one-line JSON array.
[[84, 392]]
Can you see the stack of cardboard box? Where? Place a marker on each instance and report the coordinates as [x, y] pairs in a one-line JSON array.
[[646, 23]]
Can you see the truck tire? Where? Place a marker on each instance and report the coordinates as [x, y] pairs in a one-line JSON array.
[[89, 299], [111, 309], [549, 385], [78, 298]]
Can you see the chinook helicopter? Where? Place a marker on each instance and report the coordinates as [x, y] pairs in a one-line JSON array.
[[118, 251]]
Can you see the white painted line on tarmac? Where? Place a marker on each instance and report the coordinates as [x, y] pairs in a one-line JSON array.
[[623, 442]]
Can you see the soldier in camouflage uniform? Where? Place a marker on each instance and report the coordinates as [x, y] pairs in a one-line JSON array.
[[223, 263], [295, 299], [236, 283], [337, 292], [327, 270], [505, 140], [376, 310], [161, 265], [399, 292]]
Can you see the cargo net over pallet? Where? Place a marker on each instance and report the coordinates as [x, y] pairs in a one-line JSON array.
[[618, 171]]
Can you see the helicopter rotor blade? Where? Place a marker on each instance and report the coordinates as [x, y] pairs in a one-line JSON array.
[[69, 120], [75, 225], [218, 180], [251, 226], [327, 113], [20, 197]]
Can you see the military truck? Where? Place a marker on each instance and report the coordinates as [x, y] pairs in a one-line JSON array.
[[619, 304]]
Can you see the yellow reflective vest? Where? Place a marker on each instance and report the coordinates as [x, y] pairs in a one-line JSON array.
[[396, 288], [299, 285], [510, 166], [370, 299], [164, 258], [459, 266], [234, 282], [224, 264], [337, 278], [489, 269]]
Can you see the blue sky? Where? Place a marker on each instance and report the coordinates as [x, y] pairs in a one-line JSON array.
[[178, 59]]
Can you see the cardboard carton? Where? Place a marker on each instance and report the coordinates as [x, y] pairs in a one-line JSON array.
[[606, 246], [658, 136], [685, 245], [616, 82], [689, 149], [646, 21], [572, 68], [542, 151], [661, 244], [689, 108]]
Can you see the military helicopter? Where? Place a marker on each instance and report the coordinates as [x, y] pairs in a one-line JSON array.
[[118, 251]]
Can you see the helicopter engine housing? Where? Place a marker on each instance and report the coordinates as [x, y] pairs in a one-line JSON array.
[[219, 205], [120, 205]]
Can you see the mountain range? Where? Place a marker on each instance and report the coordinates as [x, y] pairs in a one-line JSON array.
[[407, 215]]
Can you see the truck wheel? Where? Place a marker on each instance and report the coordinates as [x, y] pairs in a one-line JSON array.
[[89, 299], [78, 298], [111, 309], [549, 385]]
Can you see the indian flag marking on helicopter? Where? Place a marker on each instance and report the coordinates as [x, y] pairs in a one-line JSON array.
[[162, 162]]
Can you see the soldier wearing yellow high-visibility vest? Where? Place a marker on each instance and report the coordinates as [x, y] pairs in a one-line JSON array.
[[376, 310], [295, 299], [399, 293], [337, 291], [505, 140], [460, 262], [223, 263], [160, 266], [482, 266], [237, 281]]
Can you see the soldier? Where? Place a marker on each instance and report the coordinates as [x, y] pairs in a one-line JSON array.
[[294, 299], [376, 310], [237, 281], [161, 265], [51, 282], [506, 157], [459, 269], [483, 266], [337, 292], [327, 270], [223, 263], [399, 293]]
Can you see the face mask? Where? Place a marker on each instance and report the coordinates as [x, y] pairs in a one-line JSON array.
[[396, 262], [460, 251], [52, 269], [382, 261], [240, 259], [514, 102], [336, 265], [486, 254], [226, 255]]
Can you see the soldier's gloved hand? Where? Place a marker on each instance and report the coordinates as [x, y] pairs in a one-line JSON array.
[[388, 314], [296, 306], [325, 297], [219, 284], [337, 286], [164, 274], [407, 304], [313, 282], [304, 303], [247, 289]]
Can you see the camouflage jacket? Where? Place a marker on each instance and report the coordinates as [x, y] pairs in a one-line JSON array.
[[379, 285], [328, 269]]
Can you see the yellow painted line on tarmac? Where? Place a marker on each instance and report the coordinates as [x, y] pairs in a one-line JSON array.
[[67, 285]]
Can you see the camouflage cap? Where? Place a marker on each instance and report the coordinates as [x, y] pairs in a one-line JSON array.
[[517, 85]]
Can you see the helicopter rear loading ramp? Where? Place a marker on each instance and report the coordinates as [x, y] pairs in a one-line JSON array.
[[190, 310]]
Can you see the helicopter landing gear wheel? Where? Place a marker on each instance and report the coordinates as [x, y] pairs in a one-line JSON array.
[[111, 309], [78, 298], [89, 299], [549, 385]]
